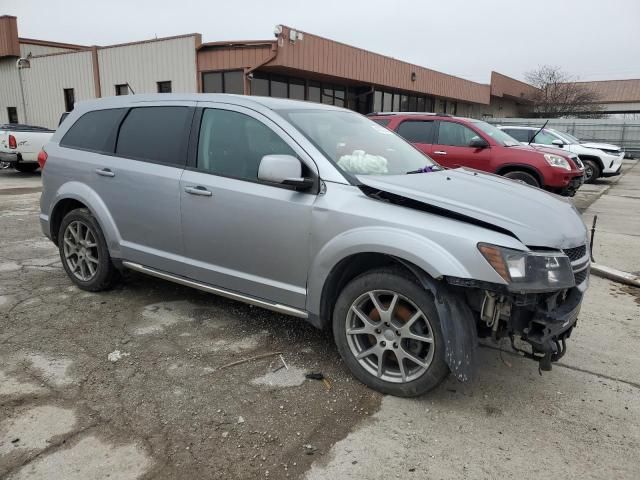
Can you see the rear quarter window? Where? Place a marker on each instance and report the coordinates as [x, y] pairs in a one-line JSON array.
[[519, 134], [94, 131], [382, 121], [155, 134]]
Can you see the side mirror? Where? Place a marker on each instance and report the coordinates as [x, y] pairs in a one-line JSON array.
[[477, 142], [284, 170], [558, 143]]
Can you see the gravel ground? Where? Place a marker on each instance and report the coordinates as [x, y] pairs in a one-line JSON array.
[[134, 383]]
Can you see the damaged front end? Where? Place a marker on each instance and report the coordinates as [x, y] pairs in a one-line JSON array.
[[538, 321]]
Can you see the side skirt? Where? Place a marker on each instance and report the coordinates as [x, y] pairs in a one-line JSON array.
[[276, 307]]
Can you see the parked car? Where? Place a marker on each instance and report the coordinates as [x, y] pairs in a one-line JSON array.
[[463, 142], [600, 160], [317, 212], [20, 145]]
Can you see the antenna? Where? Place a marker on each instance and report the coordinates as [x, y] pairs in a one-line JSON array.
[[539, 130]]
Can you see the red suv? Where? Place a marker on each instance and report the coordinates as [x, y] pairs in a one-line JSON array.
[[464, 142]]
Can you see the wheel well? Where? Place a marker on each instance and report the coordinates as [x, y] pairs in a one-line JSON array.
[[522, 168], [598, 160], [59, 211], [345, 271]]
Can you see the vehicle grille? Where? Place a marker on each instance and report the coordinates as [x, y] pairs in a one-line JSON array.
[[576, 253], [581, 276]]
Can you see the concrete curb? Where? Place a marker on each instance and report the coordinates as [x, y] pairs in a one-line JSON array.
[[615, 275]]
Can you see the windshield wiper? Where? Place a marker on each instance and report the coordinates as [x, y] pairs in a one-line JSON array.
[[427, 169]]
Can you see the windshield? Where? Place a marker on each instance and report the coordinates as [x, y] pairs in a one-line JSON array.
[[356, 144], [498, 135], [567, 137]]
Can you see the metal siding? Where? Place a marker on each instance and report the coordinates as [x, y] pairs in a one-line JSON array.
[[10, 91], [142, 65], [232, 58], [45, 81], [326, 57]]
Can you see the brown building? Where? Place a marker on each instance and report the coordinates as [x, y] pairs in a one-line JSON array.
[[304, 66]]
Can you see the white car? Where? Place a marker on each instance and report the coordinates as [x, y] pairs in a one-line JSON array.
[[21, 144], [600, 159]]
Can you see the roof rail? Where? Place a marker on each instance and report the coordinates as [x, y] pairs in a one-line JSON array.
[[435, 114]]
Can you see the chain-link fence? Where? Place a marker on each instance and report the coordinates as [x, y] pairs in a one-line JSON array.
[[624, 133]]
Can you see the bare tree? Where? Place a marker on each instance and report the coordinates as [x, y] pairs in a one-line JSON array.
[[558, 95]]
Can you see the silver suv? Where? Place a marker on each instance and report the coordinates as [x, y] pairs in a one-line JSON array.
[[320, 213]]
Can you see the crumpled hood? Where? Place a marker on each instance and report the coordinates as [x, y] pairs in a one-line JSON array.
[[537, 218], [601, 146]]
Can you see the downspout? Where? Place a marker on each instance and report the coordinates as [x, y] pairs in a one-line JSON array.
[[249, 71], [96, 72], [24, 103]]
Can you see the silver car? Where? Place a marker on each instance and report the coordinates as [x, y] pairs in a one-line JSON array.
[[320, 213]]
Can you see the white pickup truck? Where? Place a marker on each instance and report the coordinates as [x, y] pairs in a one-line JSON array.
[[20, 145]]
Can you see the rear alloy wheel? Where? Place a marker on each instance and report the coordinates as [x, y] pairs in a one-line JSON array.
[[387, 330], [84, 252], [26, 167], [591, 171], [523, 177]]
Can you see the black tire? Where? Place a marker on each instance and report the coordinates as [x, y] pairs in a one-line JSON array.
[[26, 167], [524, 177], [398, 281], [105, 274], [591, 171]]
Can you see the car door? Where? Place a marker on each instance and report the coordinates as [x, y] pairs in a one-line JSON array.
[[140, 183], [419, 132], [239, 233], [451, 148]]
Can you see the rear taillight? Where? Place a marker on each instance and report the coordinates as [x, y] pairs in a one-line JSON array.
[[42, 158], [12, 142]]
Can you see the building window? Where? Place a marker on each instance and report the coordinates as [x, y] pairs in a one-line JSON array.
[[223, 82], [279, 87], [314, 92], [69, 99], [164, 87], [122, 89], [260, 85], [12, 113]]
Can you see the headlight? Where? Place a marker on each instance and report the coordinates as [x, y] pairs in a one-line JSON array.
[[557, 161], [529, 271]]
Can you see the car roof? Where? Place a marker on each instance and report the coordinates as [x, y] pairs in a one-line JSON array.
[[243, 100]]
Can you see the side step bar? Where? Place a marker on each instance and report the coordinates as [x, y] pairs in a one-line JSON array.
[[276, 307]]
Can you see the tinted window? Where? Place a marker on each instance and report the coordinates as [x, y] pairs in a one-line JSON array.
[[377, 101], [455, 134], [212, 82], [260, 85], [416, 131], [296, 89], [314, 92], [279, 87], [94, 131], [233, 82], [232, 144], [518, 134], [164, 87], [155, 134]]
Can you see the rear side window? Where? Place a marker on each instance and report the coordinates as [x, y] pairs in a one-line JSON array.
[[416, 131], [521, 135], [155, 134], [94, 131]]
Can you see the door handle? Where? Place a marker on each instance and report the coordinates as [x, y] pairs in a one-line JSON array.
[[105, 172], [440, 152], [198, 190]]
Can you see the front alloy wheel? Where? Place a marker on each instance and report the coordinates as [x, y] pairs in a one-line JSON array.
[[389, 336], [387, 330]]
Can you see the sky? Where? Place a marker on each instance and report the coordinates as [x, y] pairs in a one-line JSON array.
[[588, 39]]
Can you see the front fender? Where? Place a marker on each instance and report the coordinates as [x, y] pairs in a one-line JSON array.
[[87, 196], [405, 245]]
